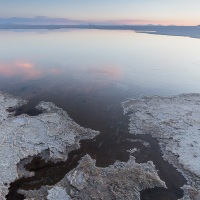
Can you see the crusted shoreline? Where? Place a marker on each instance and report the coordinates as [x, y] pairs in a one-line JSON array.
[[54, 133], [175, 123], [122, 180], [24, 136]]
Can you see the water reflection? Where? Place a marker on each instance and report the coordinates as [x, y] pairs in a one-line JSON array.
[[89, 73], [25, 70], [111, 72], [124, 58]]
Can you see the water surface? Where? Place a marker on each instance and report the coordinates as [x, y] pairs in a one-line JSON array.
[[89, 73]]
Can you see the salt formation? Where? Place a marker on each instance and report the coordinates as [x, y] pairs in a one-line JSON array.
[[190, 193], [175, 122], [122, 180], [58, 193], [23, 136]]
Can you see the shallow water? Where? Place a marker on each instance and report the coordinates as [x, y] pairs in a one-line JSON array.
[[89, 73], [97, 62], [111, 145]]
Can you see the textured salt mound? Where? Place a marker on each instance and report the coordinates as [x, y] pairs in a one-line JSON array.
[[122, 180], [175, 122], [58, 193], [24, 136]]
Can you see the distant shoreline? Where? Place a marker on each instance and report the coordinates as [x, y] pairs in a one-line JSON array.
[[90, 26], [186, 31]]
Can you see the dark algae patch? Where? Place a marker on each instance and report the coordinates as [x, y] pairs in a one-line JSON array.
[[110, 145]]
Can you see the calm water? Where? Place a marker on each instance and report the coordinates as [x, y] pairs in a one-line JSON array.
[[89, 73], [93, 61]]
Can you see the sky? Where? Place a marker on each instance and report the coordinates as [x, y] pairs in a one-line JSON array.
[[165, 12]]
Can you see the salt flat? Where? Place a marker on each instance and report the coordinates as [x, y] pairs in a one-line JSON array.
[[175, 122], [23, 136], [122, 180], [26, 136]]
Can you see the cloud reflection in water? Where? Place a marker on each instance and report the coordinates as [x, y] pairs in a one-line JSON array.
[[25, 70]]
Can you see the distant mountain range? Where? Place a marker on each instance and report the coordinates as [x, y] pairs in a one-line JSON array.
[[42, 20], [39, 20]]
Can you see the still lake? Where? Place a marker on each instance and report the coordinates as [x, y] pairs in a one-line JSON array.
[[97, 61], [89, 73]]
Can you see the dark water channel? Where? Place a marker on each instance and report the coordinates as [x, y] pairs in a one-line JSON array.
[[111, 145]]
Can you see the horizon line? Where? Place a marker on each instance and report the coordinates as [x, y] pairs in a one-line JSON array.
[[89, 24], [44, 20]]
